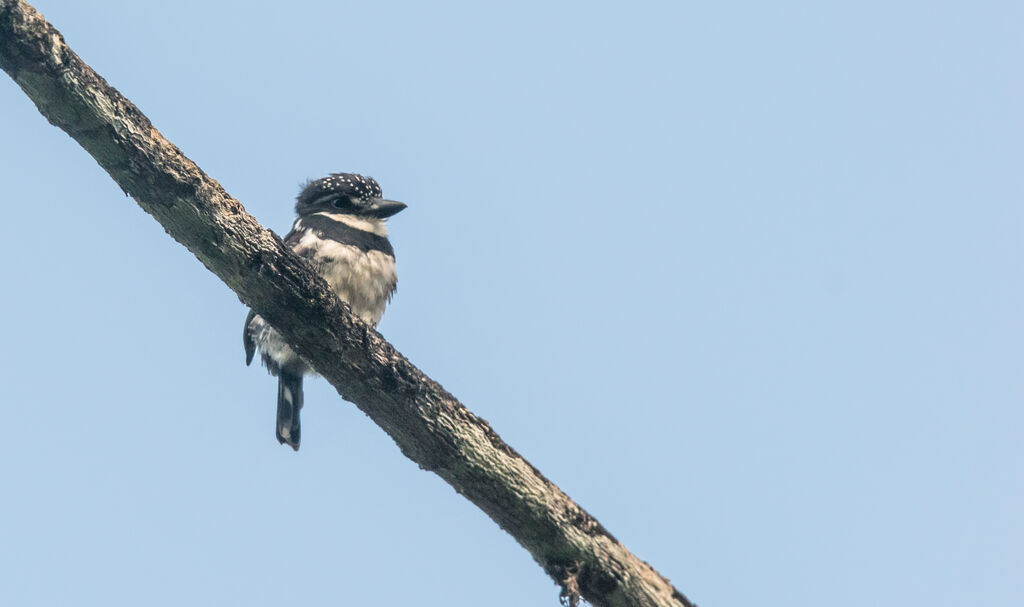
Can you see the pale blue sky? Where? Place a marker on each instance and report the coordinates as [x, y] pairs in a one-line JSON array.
[[744, 279]]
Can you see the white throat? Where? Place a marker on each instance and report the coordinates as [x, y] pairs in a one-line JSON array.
[[372, 225]]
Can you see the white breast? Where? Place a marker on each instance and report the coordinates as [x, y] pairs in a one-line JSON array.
[[363, 279]]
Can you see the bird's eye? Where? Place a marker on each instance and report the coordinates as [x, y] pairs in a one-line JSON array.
[[339, 203]]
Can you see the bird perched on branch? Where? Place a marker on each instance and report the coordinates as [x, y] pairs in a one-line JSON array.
[[341, 231]]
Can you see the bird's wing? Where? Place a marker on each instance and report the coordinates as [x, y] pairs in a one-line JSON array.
[[253, 325], [249, 337]]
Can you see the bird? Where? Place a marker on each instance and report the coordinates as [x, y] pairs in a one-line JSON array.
[[341, 231]]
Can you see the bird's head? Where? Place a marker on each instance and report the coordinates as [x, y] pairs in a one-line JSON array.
[[348, 194]]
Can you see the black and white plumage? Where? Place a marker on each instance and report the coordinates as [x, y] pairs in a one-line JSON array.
[[341, 231]]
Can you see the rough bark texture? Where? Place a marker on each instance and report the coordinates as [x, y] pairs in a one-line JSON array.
[[429, 425]]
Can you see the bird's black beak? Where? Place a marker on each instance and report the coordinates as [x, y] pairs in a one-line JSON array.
[[385, 208]]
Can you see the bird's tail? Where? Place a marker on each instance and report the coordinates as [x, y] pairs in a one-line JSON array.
[[289, 401]]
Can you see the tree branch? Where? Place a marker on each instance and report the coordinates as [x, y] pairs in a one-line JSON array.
[[429, 425]]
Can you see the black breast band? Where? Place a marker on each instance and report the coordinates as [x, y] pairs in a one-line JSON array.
[[332, 229]]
